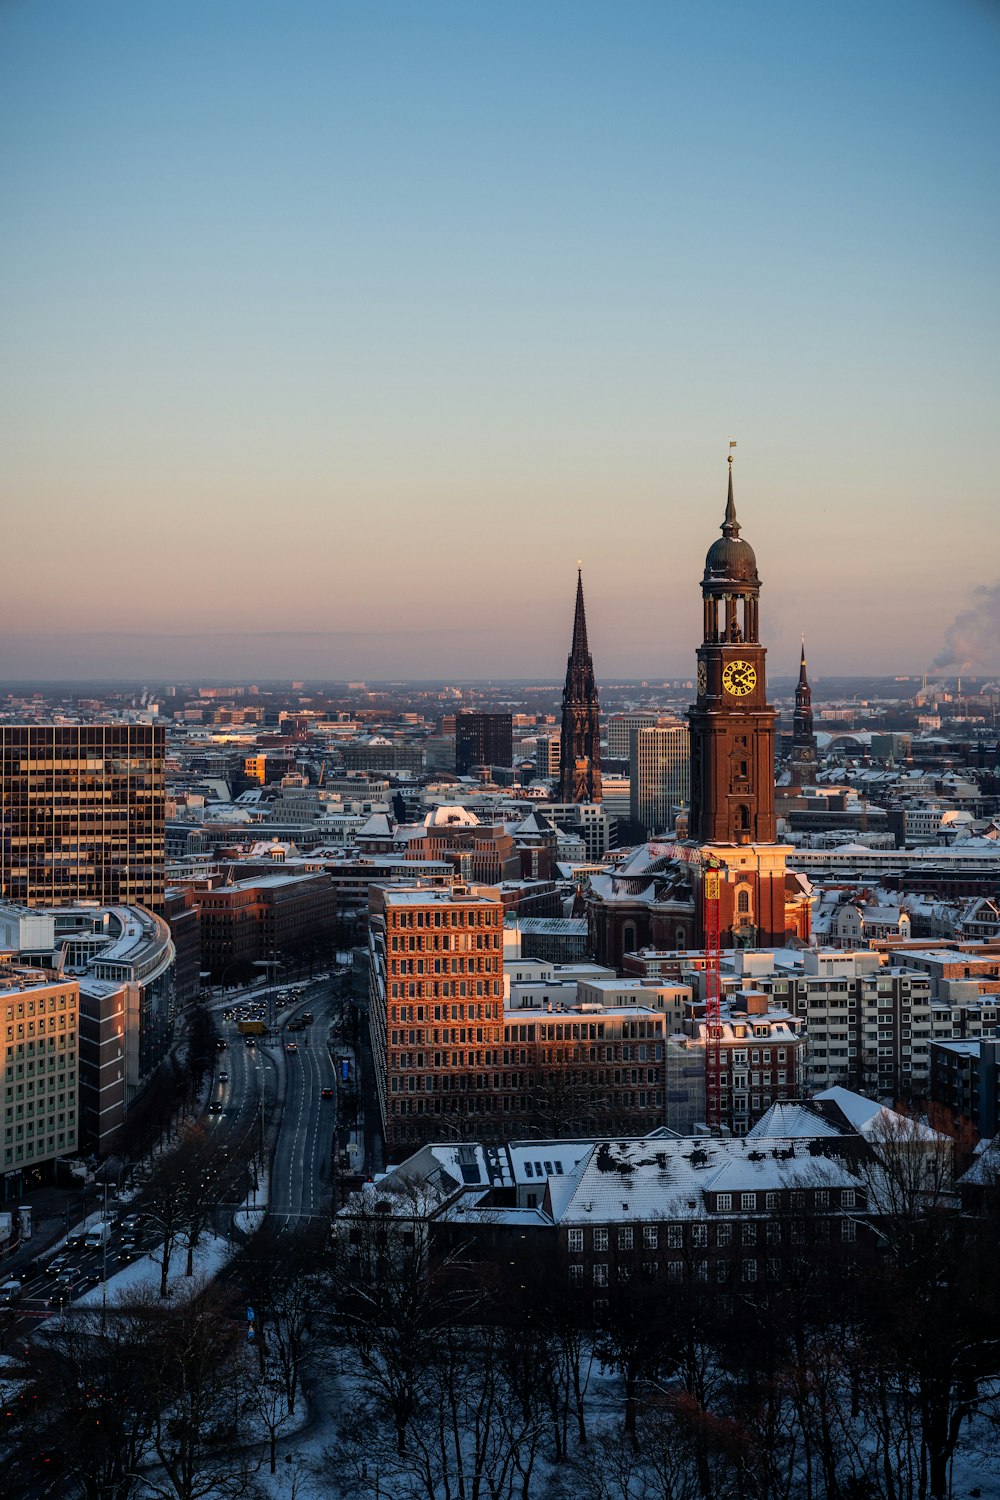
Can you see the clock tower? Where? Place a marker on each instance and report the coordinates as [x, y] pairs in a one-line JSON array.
[[732, 724]]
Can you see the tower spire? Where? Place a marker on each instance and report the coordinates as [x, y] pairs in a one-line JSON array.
[[730, 526], [580, 748], [579, 647], [803, 737]]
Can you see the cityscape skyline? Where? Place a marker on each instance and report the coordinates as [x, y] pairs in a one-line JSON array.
[[299, 310]]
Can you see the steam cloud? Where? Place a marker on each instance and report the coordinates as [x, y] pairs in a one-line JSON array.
[[974, 635]]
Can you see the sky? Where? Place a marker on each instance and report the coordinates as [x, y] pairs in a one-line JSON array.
[[335, 333]]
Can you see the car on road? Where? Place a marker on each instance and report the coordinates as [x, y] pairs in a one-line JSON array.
[[326, 1093], [10, 1291], [56, 1264], [67, 1275], [223, 1077], [76, 1239], [291, 1046], [215, 1108]]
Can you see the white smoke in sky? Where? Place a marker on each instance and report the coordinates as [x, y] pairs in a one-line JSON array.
[[974, 635]]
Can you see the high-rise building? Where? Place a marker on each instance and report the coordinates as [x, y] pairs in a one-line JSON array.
[[483, 740], [580, 741], [659, 774], [436, 1012], [548, 754], [803, 738], [82, 809], [621, 728]]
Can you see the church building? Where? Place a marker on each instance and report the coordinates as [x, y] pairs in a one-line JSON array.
[[655, 898]]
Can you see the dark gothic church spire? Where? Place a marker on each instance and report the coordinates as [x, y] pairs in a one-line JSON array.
[[803, 738], [579, 648], [580, 748]]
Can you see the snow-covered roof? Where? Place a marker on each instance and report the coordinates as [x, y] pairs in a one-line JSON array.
[[664, 1179], [377, 827], [451, 815], [794, 1118], [872, 1120]]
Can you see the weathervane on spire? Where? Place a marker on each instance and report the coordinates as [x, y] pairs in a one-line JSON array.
[[732, 445]]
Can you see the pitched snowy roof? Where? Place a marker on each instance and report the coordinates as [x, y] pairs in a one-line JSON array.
[[791, 1118], [377, 827]]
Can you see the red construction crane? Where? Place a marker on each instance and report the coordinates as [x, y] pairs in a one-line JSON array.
[[711, 889]]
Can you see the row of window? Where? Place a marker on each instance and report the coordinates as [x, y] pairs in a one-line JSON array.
[[44, 1003], [674, 1236], [443, 988], [748, 1270], [446, 916]]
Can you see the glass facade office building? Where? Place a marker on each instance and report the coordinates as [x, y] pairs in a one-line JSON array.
[[82, 811]]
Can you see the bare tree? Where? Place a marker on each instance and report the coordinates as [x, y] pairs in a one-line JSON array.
[[284, 1276], [204, 1389]]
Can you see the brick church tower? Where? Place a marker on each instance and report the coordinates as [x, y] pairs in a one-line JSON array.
[[580, 747], [732, 724], [732, 746]]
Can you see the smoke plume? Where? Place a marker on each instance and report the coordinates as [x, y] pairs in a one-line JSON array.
[[974, 635]]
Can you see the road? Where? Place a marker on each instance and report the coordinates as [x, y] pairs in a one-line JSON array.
[[301, 1177], [290, 1070], [276, 1084]]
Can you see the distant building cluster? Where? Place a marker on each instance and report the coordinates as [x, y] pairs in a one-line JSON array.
[[527, 871]]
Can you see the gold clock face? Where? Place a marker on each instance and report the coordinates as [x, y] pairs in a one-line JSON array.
[[739, 678], [702, 677]]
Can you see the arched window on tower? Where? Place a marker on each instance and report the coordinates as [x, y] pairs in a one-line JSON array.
[[743, 900], [743, 818], [628, 937]]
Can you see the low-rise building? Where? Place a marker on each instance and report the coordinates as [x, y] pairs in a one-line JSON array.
[[40, 1019], [257, 921]]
